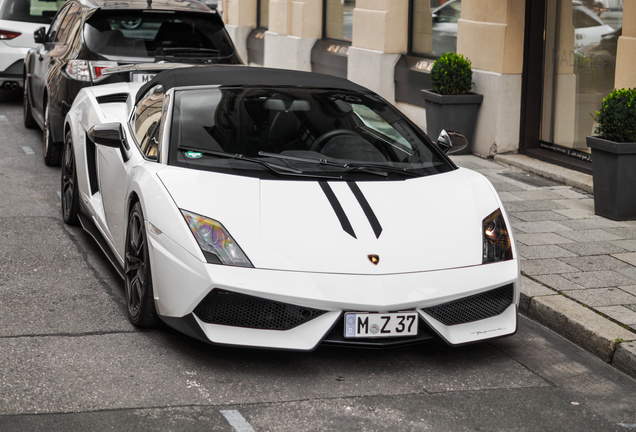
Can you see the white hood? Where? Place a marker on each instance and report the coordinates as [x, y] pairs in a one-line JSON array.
[[427, 223]]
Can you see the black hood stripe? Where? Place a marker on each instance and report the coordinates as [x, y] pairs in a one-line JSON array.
[[368, 211], [337, 208]]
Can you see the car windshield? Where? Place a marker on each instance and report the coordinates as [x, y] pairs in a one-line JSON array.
[[152, 34], [33, 11], [314, 132]]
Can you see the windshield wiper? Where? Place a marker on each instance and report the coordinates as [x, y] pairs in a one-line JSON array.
[[278, 169], [275, 168], [350, 166]]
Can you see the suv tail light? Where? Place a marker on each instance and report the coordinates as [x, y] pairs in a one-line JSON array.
[[89, 71], [8, 35]]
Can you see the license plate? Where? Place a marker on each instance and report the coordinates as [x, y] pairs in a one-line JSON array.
[[372, 325], [142, 77]]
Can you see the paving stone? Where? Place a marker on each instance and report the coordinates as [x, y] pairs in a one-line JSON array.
[[594, 262], [628, 271], [530, 289], [629, 288], [546, 266], [629, 258], [593, 248], [538, 194], [537, 216], [541, 239], [575, 213], [538, 205], [584, 204], [631, 307], [558, 282], [602, 297], [625, 358], [623, 232], [567, 192], [620, 314], [598, 279], [543, 251], [579, 324], [542, 227], [508, 197], [591, 223], [590, 235], [629, 245]]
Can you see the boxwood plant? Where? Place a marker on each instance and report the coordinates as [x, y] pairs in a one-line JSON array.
[[452, 74], [617, 117]]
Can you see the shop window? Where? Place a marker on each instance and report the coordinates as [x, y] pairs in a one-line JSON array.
[[433, 27], [338, 19]]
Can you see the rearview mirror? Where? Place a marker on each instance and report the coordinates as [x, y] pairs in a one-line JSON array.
[[451, 142]]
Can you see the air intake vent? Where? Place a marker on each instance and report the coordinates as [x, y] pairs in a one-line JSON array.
[[240, 310], [474, 308], [91, 165], [113, 98]]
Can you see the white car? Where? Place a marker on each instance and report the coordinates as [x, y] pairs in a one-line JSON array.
[[285, 209], [18, 20]]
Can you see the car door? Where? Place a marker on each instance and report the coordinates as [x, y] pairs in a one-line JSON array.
[[114, 172], [41, 59]]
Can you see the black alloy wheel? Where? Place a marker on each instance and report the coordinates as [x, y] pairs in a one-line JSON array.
[[27, 114], [69, 186], [52, 150], [139, 294]]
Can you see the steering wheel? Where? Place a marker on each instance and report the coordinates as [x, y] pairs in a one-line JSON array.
[[322, 139]]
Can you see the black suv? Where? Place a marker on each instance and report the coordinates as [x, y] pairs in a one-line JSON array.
[[88, 36]]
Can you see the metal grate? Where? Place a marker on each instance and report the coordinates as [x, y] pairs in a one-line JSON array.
[[474, 308], [240, 310], [113, 98], [91, 165]]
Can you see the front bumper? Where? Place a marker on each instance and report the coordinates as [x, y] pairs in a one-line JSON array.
[[182, 284]]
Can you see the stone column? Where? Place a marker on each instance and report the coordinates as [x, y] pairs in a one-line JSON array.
[[240, 19], [626, 51], [380, 36], [490, 34], [294, 28]]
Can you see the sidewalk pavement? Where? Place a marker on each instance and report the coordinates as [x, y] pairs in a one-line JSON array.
[[578, 270]]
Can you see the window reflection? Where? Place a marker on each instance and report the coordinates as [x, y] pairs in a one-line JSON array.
[[339, 19], [434, 29]]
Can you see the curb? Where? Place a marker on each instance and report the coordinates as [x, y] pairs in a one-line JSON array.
[[607, 340]]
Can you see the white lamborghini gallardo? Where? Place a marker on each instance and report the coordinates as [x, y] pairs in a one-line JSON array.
[[283, 209]]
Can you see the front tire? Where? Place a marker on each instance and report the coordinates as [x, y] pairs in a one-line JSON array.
[[27, 114], [139, 294], [69, 186], [52, 150]]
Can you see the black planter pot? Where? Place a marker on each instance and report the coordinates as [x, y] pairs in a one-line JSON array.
[[614, 176], [452, 113]]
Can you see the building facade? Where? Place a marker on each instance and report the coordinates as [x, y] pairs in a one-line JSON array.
[[543, 66]]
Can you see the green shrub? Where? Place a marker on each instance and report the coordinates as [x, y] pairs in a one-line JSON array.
[[617, 116], [451, 74]]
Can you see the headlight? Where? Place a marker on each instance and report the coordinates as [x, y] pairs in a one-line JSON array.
[[215, 242], [497, 245]]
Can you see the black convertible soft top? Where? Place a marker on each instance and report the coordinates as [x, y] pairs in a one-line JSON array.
[[245, 76]]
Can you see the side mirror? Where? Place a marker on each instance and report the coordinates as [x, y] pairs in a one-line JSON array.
[[451, 142], [110, 135], [39, 35]]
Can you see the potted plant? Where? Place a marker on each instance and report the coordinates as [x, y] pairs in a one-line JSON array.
[[450, 105], [614, 156]]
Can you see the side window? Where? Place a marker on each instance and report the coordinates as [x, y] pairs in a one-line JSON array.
[[146, 122], [55, 25], [68, 24]]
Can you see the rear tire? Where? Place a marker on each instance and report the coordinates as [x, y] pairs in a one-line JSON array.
[[27, 114], [139, 293], [52, 150], [69, 186]]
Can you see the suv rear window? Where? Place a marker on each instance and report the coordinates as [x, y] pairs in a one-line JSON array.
[[34, 11], [151, 33]]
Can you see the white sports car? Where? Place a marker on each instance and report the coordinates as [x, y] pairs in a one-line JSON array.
[[284, 209]]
